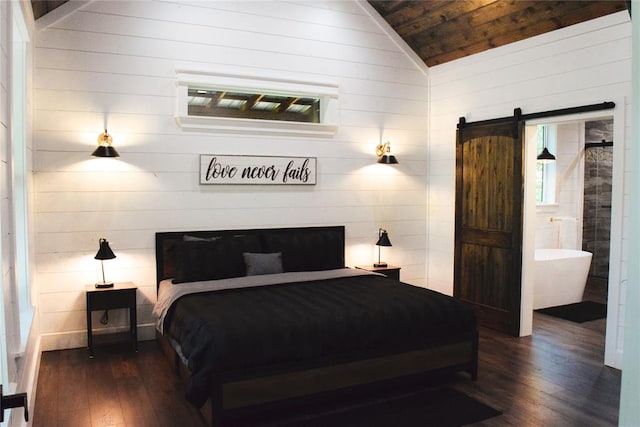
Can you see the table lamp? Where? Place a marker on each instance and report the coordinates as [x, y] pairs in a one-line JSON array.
[[104, 253], [383, 240]]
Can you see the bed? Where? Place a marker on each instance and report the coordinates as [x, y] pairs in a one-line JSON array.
[[264, 317]]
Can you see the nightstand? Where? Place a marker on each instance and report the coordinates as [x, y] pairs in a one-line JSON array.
[[391, 271], [121, 295]]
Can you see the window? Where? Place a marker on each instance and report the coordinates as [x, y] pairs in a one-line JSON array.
[[260, 106], [15, 305], [546, 172], [277, 105]]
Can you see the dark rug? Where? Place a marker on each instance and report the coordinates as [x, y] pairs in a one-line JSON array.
[[441, 407], [579, 312]]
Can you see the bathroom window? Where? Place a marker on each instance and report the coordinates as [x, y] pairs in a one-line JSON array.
[[546, 172]]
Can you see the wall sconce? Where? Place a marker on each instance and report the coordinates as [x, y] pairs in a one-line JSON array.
[[383, 151], [383, 240], [545, 156], [104, 253], [104, 146]]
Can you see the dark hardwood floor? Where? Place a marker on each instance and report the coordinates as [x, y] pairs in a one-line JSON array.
[[555, 377]]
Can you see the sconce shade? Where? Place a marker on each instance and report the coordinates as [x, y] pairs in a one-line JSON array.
[[388, 159], [384, 154], [105, 152], [383, 240], [104, 146], [546, 156], [105, 251]]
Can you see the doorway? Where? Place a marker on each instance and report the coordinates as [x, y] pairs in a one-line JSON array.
[[599, 215]]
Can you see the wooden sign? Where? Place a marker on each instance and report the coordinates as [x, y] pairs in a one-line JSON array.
[[216, 169]]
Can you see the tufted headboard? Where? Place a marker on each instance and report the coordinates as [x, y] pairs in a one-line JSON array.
[[302, 249]]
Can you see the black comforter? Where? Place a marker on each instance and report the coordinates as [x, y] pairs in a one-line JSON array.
[[233, 333]]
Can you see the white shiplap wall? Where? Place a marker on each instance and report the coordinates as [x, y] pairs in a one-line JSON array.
[[583, 64], [113, 64]]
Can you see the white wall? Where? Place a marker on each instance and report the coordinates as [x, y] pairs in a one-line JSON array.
[[582, 64], [113, 63]]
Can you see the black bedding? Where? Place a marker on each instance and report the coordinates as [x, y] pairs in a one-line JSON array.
[[235, 333]]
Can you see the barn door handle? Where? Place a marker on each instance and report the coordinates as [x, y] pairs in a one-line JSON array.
[[13, 401]]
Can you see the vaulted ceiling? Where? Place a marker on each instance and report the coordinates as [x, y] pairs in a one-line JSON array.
[[42, 7], [440, 31]]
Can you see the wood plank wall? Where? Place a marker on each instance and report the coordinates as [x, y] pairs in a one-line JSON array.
[[113, 64], [583, 64]]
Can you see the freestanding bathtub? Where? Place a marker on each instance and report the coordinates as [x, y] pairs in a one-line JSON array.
[[561, 276]]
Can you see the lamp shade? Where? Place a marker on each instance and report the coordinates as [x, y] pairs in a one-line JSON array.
[[389, 159], [103, 151], [383, 238], [104, 252], [546, 156]]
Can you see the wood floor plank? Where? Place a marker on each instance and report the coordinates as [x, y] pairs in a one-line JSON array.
[[73, 418], [103, 395], [142, 414], [46, 413], [555, 377], [73, 387]]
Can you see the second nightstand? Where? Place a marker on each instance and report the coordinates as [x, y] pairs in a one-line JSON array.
[[391, 271], [121, 295]]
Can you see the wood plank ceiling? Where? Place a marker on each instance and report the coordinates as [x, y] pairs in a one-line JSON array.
[[440, 31], [443, 30], [42, 7]]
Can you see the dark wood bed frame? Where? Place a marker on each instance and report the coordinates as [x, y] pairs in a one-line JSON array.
[[233, 396]]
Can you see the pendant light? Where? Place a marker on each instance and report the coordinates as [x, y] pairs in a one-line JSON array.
[[545, 156]]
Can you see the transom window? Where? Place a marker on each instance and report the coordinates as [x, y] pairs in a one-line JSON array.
[[249, 105], [273, 103]]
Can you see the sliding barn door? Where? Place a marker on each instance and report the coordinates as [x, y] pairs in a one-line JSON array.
[[488, 235]]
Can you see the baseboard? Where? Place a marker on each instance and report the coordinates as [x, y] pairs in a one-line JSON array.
[[29, 385], [613, 359], [78, 339]]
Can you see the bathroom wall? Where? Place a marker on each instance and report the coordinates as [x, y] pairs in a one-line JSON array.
[[597, 196]]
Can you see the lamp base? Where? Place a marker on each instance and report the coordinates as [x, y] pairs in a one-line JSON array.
[[379, 264], [104, 285]]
